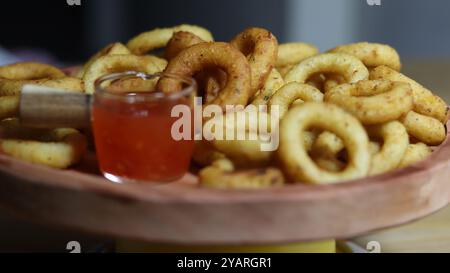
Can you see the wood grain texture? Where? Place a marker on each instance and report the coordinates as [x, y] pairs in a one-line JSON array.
[[182, 213]]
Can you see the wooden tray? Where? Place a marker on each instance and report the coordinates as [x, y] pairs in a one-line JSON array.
[[183, 213]]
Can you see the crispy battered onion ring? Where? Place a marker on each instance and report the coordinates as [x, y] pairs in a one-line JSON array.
[[212, 55], [133, 85], [180, 41], [395, 142], [9, 106], [327, 145], [294, 157], [30, 71], [426, 129], [415, 153], [374, 147], [119, 63], [290, 54], [372, 54], [10, 91], [14, 87], [221, 175], [244, 153], [284, 70], [205, 154], [59, 148], [329, 164], [425, 102], [373, 102], [273, 83], [349, 67], [111, 49], [291, 92], [210, 82], [157, 38], [261, 48]]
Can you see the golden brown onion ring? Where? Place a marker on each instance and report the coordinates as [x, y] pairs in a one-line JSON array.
[[373, 102], [327, 145], [395, 141], [290, 54], [30, 71], [58, 148], [9, 106], [291, 92], [372, 54], [426, 129], [158, 38], [415, 153], [205, 154], [294, 158], [221, 175], [111, 49], [347, 66], [248, 152], [425, 102], [273, 83], [196, 58], [261, 48], [120, 63], [180, 41], [14, 87]]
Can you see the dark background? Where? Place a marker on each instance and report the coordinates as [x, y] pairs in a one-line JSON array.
[[417, 28], [72, 33]]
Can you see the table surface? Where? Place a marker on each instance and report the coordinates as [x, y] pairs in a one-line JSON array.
[[425, 235]]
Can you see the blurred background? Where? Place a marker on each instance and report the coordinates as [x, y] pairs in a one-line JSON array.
[[70, 34], [54, 32]]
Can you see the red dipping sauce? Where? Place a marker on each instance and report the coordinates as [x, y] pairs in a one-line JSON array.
[[133, 135]]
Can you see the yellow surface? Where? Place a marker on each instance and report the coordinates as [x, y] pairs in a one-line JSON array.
[[123, 246], [431, 234]]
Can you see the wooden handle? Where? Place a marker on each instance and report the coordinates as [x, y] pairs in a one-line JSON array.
[[43, 107]]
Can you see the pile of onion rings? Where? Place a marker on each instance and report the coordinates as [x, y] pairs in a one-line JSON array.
[[344, 114]]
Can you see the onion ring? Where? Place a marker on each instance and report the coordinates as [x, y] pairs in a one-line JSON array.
[[180, 41], [9, 106], [119, 63], [294, 157], [374, 147], [290, 54], [133, 85], [158, 38], [261, 48], [327, 145], [111, 49], [373, 102], [205, 154], [426, 129], [425, 102], [291, 92], [372, 54], [329, 164], [247, 152], [221, 175], [196, 58], [395, 143], [284, 70], [58, 148], [273, 83], [14, 87], [415, 153], [30, 71], [351, 68], [210, 82]]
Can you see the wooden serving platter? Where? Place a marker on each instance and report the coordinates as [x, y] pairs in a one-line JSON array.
[[183, 213]]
